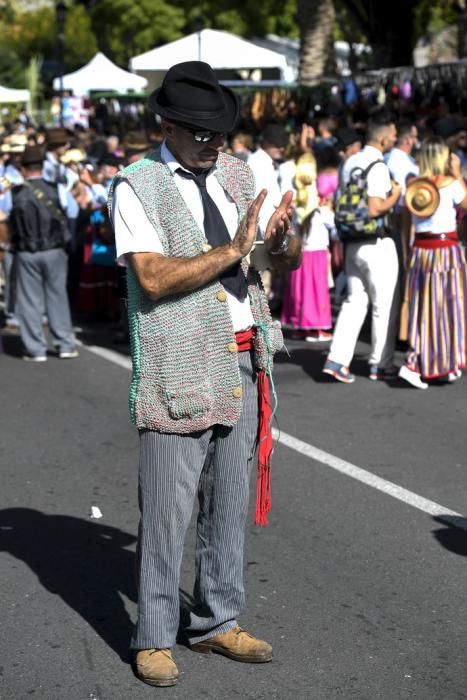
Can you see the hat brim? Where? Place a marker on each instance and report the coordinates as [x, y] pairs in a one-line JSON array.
[[412, 188], [136, 147], [12, 149], [221, 123]]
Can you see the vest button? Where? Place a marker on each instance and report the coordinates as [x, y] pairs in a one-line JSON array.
[[221, 296], [237, 392], [232, 347], [206, 248]]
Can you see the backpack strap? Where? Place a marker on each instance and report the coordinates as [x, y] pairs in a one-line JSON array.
[[43, 199], [367, 169]]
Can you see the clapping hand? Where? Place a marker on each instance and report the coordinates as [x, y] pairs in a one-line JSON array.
[[279, 224]]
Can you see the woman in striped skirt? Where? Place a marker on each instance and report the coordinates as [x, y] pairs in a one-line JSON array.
[[436, 286]]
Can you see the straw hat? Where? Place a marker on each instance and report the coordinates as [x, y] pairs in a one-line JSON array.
[[422, 197], [15, 143], [74, 155]]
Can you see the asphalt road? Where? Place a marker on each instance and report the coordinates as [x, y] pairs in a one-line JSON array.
[[362, 595]]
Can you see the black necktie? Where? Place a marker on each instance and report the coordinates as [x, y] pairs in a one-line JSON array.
[[217, 234]]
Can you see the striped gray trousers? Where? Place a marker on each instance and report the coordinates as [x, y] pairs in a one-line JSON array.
[[216, 463]]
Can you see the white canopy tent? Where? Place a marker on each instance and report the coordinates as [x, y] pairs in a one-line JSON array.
[[223, 51], [11, 95], [100, 74]]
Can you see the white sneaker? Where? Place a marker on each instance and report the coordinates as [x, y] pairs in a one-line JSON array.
[[454, 376], [68, 355], [412, 377], [35, 358]]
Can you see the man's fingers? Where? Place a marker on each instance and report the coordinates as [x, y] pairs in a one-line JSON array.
[[255, 206], [257, 203], [286, 200]]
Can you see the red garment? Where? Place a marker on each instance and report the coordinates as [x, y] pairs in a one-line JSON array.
[[431, 241], [244, 341]]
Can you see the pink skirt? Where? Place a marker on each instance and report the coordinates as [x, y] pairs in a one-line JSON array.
[[307, 304]]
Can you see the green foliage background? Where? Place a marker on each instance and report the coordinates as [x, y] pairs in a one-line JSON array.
[[124, 28]]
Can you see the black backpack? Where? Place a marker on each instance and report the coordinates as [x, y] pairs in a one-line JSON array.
[[353, 221]]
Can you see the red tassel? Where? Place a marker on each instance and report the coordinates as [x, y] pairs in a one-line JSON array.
[[244, 341], [263, 482]]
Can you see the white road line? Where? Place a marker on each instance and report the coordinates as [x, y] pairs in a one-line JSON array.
[[446, 515], [110, 355], [412, 499]]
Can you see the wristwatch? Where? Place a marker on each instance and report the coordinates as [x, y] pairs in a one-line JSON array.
[[283, 248]]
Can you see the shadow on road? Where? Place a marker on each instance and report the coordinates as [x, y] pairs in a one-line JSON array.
[[451, 537], [312, 358], [85, 563], [10, 344]]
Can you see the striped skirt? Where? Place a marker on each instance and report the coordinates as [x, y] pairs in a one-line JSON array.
[[436, 294]]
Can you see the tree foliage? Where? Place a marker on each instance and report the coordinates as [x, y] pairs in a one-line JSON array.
[[430, 17], [392, 28], [11, 69], [80, 40], [124, 28]]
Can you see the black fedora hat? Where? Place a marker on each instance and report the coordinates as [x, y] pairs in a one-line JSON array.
[[191, 94]]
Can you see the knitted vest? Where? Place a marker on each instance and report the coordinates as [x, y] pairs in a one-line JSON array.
[[185, 366]]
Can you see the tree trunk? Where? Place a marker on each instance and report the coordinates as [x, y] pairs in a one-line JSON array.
[[316, 20], [462, 29], [388, 27]]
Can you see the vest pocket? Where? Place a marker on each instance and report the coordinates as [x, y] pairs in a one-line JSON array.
[[189, 402]]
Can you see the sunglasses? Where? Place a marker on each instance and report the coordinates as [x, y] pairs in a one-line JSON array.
[[201, 135]]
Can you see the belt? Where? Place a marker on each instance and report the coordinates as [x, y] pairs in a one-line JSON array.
[[244, 340], [430, 241]]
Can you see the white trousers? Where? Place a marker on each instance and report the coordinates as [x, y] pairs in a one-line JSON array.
[[372, 272]]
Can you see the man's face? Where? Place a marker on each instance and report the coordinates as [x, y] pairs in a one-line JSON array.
[[109, 171], [61, 150], [192, 154], [412, 138], [274, 152], [462, 140], [389, 139]]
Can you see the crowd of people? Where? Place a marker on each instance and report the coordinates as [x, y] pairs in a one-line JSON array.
[[314, 157]]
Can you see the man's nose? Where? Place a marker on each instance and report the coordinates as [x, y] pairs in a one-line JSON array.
[[218, 141]]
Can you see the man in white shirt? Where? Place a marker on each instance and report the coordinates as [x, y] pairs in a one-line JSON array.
[[399, 160], [371, 267], [58, 142], [272, 174], [402, 167], [265, 163], [189, 288]]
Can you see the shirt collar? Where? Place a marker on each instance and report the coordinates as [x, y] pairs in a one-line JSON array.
[[172, 163], [373, 151]]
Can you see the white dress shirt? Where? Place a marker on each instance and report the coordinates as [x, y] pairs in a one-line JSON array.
[[267, 176], [379, 180], [401, 166], [134, 232]]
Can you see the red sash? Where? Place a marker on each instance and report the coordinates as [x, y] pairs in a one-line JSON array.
[[430, 241], [244, 341]]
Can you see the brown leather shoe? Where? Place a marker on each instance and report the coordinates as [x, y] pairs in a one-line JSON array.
[[156, 667], [237, 645]]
